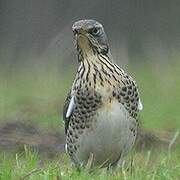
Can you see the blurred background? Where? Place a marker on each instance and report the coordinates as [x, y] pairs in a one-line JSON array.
[[38, 61]]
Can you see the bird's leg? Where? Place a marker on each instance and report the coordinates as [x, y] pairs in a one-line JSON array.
[[118, 163], [90, 161]]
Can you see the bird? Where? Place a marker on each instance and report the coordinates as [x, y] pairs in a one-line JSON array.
[[101, 109]]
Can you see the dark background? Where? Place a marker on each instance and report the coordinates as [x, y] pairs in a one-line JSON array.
[[31, 28]]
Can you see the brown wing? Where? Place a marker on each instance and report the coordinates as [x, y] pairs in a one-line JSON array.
[[65, 108]]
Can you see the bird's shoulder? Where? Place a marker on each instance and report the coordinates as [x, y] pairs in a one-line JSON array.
[[126, 92]]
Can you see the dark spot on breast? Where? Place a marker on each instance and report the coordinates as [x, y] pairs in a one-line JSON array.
[[123, 82], [70, 146], [77, 120], [90, 98], [70, 132], [94, 106], [79, 102], [122, 94], [89, 111], [86, 106], [87, 126], [80, 131], [83, 111], [78, 92], [86, 117], [108, 82], [82, 126], [135, 89], [88, 102], [133, 115], [114, 94], [129, 87], [97, 100], [76, 136], [118, 96], [126, 98], [124, 88], [73, 123], [70, 151]]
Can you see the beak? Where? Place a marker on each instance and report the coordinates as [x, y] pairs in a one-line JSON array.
[[80, 35], [79, 31]]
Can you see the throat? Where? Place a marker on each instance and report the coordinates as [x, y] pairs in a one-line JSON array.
[[93, 74], [87, 53]]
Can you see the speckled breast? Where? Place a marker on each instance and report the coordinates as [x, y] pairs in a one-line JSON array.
[[104, 129]]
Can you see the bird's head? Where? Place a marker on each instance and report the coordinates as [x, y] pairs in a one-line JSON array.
[[90, 36]]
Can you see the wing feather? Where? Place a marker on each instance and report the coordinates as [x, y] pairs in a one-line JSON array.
[[70, 107], [140, 106], [65, 110]]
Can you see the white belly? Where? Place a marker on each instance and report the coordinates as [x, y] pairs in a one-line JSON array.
[[109, 137]]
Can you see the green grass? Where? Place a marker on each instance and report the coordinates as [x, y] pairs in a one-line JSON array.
[[146, 165], [36, 93]]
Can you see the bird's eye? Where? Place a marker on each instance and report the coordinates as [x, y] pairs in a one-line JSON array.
[[94, 31]]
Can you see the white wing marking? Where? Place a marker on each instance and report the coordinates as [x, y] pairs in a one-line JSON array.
[[140, 106], [70, 108], [66, 148]]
